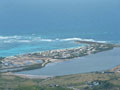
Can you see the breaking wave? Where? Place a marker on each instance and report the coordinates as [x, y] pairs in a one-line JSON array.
[[32, 39], [80, 39], [22, 39], [14, 45]]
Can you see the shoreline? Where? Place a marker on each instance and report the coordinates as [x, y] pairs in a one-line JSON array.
[[98, 62], [113, 70], [30, 61]]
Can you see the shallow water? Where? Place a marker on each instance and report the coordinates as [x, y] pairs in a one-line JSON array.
[[96, 62]]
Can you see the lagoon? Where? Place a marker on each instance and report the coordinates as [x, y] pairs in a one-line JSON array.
[[91, 63]]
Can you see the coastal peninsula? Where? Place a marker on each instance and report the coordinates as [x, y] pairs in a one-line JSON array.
[[40, 59]]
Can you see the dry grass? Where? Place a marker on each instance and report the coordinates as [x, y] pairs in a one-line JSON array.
[[77, 81]]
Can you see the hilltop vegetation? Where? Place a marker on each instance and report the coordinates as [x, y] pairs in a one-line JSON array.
[[90, 81], [9, 82]]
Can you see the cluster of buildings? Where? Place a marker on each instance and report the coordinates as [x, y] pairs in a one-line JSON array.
[[15, 62], [47, 56], [73, 52]]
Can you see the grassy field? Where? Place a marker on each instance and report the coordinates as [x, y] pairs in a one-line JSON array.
[[89, 81]]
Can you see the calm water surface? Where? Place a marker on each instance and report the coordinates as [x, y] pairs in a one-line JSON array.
[[97, 62]]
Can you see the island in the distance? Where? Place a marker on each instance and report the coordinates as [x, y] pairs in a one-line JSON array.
[[40, 59]]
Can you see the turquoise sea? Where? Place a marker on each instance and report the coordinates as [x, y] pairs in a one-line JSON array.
[[39, 25]]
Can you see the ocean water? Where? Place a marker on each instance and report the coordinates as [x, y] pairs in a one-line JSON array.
[[40, 25]]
